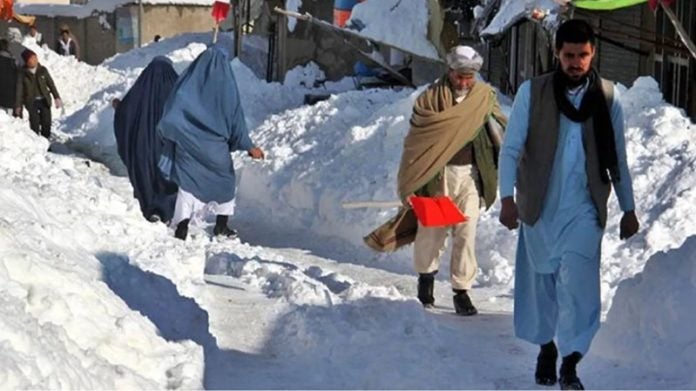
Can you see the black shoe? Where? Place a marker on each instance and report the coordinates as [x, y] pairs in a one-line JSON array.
[[426, 287], [462, 303], [221, 228], [225, 231], [569, 379], [545, 373], [154, 218], [182, 229]]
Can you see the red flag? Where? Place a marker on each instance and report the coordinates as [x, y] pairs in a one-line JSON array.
[[436, 211], [655, 3], [220, 10], [5, 9]]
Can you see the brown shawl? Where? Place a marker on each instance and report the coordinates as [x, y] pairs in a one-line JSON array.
[[439, 129]]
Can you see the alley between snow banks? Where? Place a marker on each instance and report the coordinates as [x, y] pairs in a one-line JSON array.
[[97, 297]]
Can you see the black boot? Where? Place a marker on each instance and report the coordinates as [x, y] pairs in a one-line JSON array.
[[221, 227], [426, 286], [462, 303], [545, 374], [569, 379], [182, 229]]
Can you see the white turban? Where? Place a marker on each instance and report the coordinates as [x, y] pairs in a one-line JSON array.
[[464, 59]]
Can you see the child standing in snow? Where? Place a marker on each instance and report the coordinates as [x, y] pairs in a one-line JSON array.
[[34, 90]]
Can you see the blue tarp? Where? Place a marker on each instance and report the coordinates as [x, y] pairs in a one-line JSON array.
[[139, 145], [202, 122]]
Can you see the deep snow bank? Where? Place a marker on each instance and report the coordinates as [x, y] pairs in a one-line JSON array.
[[651, 324], [61, 326]]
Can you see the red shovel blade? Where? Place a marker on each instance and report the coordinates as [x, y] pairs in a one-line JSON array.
[[436, 211]]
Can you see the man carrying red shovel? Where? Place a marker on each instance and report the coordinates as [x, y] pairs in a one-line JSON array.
[[449, 151]]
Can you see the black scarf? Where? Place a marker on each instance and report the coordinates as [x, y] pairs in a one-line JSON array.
[[594, 104]]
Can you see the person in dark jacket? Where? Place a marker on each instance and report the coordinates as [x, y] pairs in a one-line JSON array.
[[8, 77], [67, 45], [34, 90]]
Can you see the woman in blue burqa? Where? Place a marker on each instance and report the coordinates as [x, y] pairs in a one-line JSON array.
[[139, 144], [202, 123]]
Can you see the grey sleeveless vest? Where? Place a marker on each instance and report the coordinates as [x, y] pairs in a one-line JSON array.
[[536, 161]]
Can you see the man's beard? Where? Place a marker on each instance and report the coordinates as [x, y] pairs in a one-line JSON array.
[[461, 93], [574, 81]]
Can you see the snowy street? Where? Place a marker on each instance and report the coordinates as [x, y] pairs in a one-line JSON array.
[[95, 297]]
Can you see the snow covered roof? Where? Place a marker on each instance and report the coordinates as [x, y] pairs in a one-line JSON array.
[[84, 11], [512, 11], [399, 23]]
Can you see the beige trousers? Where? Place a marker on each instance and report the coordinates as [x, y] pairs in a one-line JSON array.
[[461, 185]]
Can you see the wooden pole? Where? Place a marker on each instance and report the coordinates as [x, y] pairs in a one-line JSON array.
[[680, 29], [371, 204], [237, 28]]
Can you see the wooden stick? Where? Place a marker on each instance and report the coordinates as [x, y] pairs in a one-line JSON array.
[[306, 16], [215, 33], [371, 204], [680, 29]]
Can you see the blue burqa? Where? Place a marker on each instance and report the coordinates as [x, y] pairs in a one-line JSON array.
[[202, 122], [139, 145]]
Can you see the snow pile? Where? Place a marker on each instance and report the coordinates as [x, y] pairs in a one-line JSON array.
[[512, 11], [278, 276], [662, 159], [651, 322], [61, 235], [400, 23]]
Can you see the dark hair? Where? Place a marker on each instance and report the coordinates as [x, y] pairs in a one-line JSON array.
[[4, 44], [574, 31], [157, 37]]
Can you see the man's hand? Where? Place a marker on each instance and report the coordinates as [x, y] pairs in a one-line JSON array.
[[59, 103], [629, 225], [256, 153], [508, 213]]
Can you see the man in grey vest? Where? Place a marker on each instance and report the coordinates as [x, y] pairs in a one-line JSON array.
[[564, 148]]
